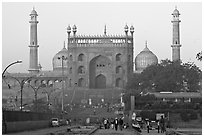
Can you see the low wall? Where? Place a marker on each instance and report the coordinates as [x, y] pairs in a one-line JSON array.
[[26, 125]]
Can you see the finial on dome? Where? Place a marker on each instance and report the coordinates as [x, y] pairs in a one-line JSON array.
[[105, 30], [146, 44], [64, 45], [176, 7]]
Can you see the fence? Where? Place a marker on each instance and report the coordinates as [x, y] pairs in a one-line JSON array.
[[11, 116]]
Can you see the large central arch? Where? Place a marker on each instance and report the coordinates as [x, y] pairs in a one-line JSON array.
[[99, 72], [100, 81]]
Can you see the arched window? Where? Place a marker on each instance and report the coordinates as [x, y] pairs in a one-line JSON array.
[[70, 58], [119, 70], [70, 82], [81, 70], [70, 70], [81, 57], [118, 57], [119, 82], [81, 82]]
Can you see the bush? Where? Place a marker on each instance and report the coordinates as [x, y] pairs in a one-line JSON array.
[[193, 115], [148, 114], [184, 116], [188, 114]]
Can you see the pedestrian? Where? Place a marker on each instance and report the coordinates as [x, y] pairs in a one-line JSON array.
[[162, 124], [148, 126], [158, 126], [120, 123], [105, 123], [70, 122], [116, 123], [112, 123], [108, 123]]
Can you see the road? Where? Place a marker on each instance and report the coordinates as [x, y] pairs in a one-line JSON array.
[[83, 130], [45, 131], [114, 132]]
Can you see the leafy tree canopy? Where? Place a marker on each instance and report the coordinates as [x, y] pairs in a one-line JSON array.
[[168, 76]]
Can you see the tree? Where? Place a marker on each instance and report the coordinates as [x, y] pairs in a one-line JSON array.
[[199, 56], [167, 76]]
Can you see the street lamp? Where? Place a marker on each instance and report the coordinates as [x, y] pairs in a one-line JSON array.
[[35, 90], [48, 94], [75, 85], [62, 58], [18, 61], [21, 83]]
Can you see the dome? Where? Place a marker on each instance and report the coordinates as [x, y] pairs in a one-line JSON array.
[[68, 29], [176, 12], [131, 29], [33, 12], [144, 59], [57, 60]]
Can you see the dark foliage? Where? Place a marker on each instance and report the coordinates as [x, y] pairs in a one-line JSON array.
[[167, 76]]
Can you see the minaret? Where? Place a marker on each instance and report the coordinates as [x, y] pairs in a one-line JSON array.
[[33, 68], [176, 36]]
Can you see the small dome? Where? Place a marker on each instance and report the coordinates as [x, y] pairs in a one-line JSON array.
[[144, 59], [176, 12], [126, 26], [74, 27], [131, 28], [69, 28], [33, 12], [57, 60]]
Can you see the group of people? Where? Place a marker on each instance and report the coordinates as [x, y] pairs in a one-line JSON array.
[[112, 123], [160, 125]]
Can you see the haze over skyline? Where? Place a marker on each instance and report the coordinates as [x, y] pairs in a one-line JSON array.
[[151, 20]]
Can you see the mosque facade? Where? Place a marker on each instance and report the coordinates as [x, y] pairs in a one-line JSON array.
[[99, 61]]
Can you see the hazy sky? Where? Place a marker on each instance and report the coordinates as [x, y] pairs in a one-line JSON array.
[[152, 22]]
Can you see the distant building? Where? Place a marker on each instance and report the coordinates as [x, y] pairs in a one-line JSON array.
[[177, 96]]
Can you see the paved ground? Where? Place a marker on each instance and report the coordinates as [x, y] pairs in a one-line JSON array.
[[151, 132], [114, 132], [44, 131]]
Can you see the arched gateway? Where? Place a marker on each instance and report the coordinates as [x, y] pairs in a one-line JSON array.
[[100, 81], [100, 72]]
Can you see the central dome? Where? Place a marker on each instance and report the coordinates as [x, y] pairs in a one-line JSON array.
[[144, 59]]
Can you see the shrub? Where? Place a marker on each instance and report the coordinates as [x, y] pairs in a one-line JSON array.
[[193, 115], [184, 116], [188, 114], [148, 114]]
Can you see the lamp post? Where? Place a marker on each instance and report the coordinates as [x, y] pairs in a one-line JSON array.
[[48, 94], [21, 83], [18, 61], [35, 90], [62, 58]]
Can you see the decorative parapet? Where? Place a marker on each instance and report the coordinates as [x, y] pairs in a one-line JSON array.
[[99, 40]]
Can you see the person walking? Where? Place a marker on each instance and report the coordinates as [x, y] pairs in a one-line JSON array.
[[116, 123], [120, 123], [112, 123], [148, 126], [158, 126], [105, 122], [162, 124]]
